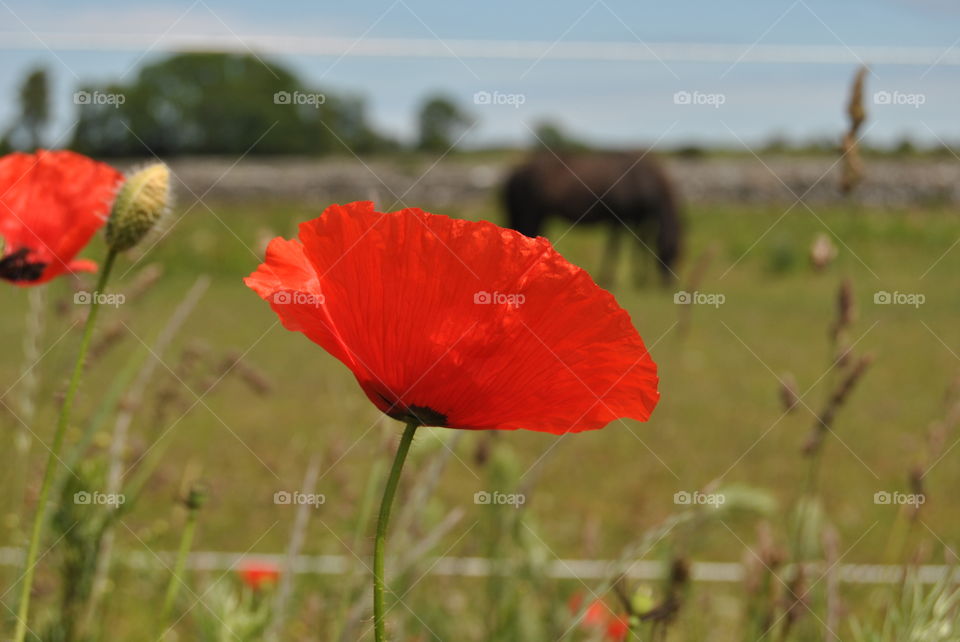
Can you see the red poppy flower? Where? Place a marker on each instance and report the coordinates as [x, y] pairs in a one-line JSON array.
[[598, 616], [258, 575], [51, 204], [618, 628], [458, 323]]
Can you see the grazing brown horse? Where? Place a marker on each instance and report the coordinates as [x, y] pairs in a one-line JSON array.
[[628, 191]]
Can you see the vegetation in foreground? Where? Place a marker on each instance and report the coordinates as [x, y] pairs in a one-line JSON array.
[[716, 430]]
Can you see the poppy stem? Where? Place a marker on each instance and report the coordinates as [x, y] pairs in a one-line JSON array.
[[173, 587], [186, 540], [388, 493], [39, 520]]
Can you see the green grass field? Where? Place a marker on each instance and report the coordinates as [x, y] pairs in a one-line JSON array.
[[719, 417]]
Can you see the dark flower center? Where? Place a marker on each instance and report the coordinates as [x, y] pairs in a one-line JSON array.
[[423, 415], [16, 267]]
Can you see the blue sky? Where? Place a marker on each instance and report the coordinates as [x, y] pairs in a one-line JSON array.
[[615, 100]]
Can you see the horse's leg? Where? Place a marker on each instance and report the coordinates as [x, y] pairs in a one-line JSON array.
[[608, 265], [642, 251], [668, 244]]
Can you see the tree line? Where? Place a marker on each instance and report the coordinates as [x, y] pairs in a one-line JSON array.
[[219, 103]]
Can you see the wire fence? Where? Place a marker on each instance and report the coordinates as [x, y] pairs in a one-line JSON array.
[[659, 52], [582, 569]]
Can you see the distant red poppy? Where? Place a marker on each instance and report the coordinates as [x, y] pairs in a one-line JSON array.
[[51, 204], [598, 616], [259, 575], [618, 628], [458, 323]]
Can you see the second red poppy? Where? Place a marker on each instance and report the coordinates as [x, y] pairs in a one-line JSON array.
[[51, 205]]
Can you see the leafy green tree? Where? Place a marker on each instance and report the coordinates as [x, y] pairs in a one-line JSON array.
[[35, 106], [549, 135], [441, 123], [215, 103], [27, 130]]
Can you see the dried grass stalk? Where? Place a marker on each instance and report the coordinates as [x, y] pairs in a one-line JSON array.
[[852, 167]]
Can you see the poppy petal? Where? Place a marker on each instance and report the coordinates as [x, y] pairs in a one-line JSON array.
[[460, 323], [289, 283], [82, 265]]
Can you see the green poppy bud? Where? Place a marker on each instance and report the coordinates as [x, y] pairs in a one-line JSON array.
[[196, 497], [142, 200]]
